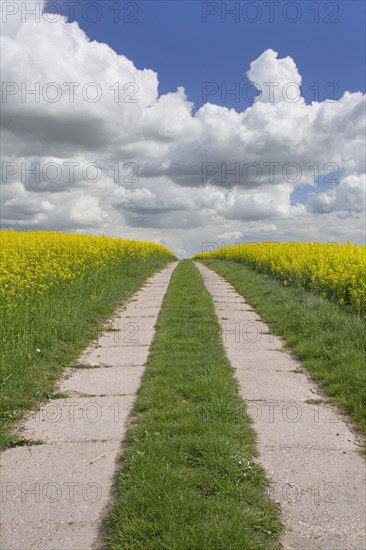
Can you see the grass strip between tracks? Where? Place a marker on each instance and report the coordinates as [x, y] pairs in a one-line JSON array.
[[188, 478]]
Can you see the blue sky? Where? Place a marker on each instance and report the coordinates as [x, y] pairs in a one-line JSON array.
[[171, 38], [169, 50]]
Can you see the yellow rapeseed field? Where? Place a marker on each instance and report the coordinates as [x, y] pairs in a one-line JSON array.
[[338, 271], [31, 262]]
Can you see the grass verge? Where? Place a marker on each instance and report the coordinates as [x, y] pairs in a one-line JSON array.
[[329, 340], [188, 479], [44, 336]]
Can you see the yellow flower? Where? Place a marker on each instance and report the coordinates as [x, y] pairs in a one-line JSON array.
[[31, 262], [336, 271]]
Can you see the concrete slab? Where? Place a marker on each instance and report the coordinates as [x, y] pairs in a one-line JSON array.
[[110, 381], [50, 536], [309, 451], [80, 419], [160, 279], [240, 328], [295, 424], [258, 385], [130, 335], [156, 285], [56, 484], [140, 311], [122, 356], [268, 360], [246, 343], [151, 293], [232, 304], [222, 292], [243, 315], [230, 298], [323, 494], [122, 323], [145, 301]]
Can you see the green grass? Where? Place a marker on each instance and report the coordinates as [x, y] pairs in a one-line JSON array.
[[188, 478], [59, 324], [327, 338]]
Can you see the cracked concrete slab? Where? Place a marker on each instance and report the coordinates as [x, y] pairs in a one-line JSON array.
[[142, 311], [118, 356], [131, 335], [265, 359], [148, 303], [317, 496], [121, 323], [297, 424], [249, 343], [54, 495], [310, 452], [276, 388], [149, 294], [80, 419], [235, 315], [50, 536], [240, 328], [232, 306], [111, 381], [56, 483]]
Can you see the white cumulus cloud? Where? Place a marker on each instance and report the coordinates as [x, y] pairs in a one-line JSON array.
[[161, 171]]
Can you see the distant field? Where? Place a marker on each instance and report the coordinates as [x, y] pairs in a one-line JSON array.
[[336, 271], [56, 290], [32, 262]]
